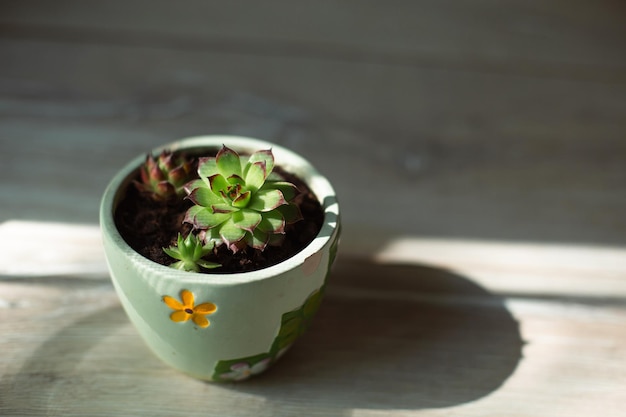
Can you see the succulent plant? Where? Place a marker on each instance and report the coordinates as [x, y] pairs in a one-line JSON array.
[[164, 177], [189, 252], [241, 203]]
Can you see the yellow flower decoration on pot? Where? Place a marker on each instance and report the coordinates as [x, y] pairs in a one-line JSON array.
[[186, 309]]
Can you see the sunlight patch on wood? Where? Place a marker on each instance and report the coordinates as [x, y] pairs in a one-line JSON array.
[[33, 248], [522, 268]]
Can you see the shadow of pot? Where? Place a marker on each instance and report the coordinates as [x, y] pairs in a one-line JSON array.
[[397, 337]]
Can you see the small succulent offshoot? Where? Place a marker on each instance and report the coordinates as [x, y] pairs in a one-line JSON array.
[[164, 177], [241, 203], [189, 252]]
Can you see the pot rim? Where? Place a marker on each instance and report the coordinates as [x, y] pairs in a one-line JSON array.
[[286, 158]]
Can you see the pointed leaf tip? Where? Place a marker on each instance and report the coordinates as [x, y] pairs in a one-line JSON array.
[[228, 162], [265, 156], [207, 167], [230, 233]]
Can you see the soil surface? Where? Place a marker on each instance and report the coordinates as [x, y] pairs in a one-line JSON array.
[[148, 226]]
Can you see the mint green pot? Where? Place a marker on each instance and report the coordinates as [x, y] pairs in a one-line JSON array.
[[240, 324]]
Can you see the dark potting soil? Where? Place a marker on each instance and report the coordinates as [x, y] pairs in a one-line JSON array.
[[149, 226]]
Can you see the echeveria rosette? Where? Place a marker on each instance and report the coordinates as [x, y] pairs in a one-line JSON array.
[[189, 253], [164, 177], [241, 203]]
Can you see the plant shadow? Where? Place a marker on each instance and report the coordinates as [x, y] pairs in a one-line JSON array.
[[396, 337]]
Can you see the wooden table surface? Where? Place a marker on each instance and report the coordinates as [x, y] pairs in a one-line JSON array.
[[478, 149]]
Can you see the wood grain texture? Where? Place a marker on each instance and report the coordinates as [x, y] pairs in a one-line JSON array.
[[401, 339], [478, 151], [516, 36], [462, 154]]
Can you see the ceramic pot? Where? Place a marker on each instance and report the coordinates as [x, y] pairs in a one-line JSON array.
[[253, 317]]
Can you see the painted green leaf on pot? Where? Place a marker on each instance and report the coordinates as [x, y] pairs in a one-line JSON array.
[[242, 368], [295, 323], [290, 329], [311, 306]]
